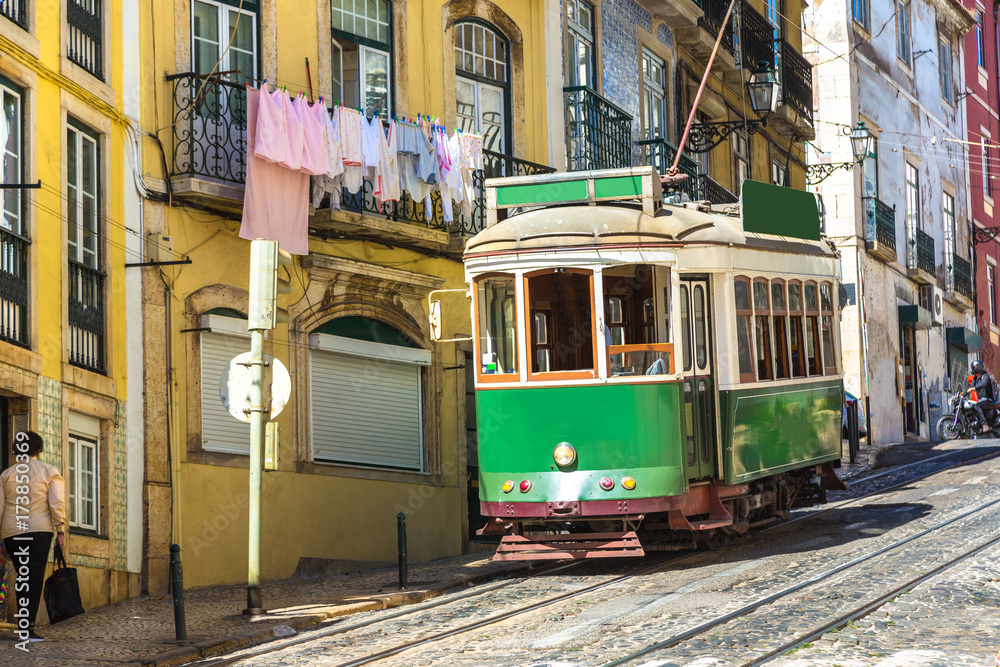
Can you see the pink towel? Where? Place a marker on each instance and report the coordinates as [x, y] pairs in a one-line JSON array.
[[276, 199], [314, 155], [270, 143], [294, 133]]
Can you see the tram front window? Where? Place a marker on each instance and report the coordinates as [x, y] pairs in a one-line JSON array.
[[562, 322], [497, 325]]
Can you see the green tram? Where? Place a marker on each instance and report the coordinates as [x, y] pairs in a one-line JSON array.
[[649, 376]]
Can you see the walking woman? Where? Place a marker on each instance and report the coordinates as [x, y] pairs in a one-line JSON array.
[[32, 505]]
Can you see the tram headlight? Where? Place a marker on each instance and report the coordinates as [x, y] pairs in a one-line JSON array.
[[564, 454]]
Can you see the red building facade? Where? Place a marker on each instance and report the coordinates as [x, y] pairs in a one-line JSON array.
[[982, 65]]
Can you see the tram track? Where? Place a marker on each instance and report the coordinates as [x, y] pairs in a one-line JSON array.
[[278, 645]]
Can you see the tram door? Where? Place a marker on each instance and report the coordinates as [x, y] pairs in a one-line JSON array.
[[699, 392]]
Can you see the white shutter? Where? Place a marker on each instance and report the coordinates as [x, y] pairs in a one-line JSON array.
[[366, 411], [220, 431]]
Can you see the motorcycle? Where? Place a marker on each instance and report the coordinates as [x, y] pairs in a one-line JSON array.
[[963, 422]]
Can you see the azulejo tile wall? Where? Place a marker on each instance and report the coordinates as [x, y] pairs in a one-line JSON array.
[[50, 420]]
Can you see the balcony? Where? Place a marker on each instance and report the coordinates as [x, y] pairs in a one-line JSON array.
[[959, 283], [699, 41], [713, 192], [85, 36], [13, 288], [598, 134], [660, 154], [920, 263], [675, 13], [16, 11], [880, 229], [756, 39], [86, 317], [795, 112]]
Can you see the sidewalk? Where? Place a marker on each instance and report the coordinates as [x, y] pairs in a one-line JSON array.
[[140, 631]]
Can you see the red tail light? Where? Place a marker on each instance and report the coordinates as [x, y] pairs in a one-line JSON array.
[[525, 486], [607, 483]]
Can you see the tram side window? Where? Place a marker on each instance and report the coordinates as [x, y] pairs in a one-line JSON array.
[[762, 329], [779, 324], [795, 335], [744, 313], [826, 321], [812, 330], [629, 310], [561, 317], [497, 325], [686, 327]]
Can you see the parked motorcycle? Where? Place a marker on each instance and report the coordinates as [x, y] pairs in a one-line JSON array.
[[963, 422]]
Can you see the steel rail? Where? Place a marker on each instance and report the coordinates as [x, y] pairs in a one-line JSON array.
[[753, 606], [860, 612]]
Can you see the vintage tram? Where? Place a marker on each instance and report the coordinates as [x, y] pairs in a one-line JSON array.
[[649, 376]]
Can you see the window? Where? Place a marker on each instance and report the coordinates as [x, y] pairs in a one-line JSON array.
[[580, 55], [220, 431], [795, 336], [214, 25], [812, 330], [870, 171], [361, 41], [778, 174], [741, 159], [944, 70], [481, 84], [16, 11], [630, 320], [904, 43], [861, 11], [991, 281], [496, 308], [562, 322], [984, 149], [85, 35], [980, 40], [912, 199], [779, 320], [83, 471], [744, 313], [366, 389], [826, 322], [654, 87], [948, 208], [84, 239], [774, 16], [762, 329], [14, 245]]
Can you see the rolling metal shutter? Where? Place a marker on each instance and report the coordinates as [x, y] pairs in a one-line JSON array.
[[220, 431], [367, 409]]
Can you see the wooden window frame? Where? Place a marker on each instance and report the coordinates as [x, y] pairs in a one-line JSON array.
[[745, 377], [827, 368], [806, 312], [800, 312], [766, 313], [518, 329], [590, 374], [781, 312]]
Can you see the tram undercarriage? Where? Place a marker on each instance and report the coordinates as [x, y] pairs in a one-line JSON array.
[[706, 516]]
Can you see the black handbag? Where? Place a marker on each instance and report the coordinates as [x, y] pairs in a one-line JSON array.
[[62, 591]]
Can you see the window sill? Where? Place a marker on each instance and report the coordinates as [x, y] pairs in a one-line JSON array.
[[89, 380], [21, 357], [21, 37], [377, 474], [80, 76]]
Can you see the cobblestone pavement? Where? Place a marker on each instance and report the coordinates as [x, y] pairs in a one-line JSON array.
[[620, 619]]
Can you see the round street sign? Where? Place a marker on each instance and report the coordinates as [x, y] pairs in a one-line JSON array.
[[234, 386]]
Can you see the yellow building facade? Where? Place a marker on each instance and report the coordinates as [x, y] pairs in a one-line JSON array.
[[67, 82]]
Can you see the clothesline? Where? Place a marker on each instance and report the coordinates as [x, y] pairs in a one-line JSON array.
[[289, 140]]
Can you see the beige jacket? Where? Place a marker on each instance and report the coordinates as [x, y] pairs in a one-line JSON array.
[[45, 508]]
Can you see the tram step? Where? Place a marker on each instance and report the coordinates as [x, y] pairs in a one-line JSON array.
[[569, 545]]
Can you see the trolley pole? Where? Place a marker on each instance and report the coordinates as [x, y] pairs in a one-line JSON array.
[[254, 599]]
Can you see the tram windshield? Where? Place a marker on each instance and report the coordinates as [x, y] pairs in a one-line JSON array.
[[497, 325]]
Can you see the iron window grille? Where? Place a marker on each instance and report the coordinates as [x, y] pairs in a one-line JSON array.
[[86, 35], [16, 11]]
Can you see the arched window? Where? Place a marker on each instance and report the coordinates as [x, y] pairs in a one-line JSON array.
[[361, 54], [481, 84]]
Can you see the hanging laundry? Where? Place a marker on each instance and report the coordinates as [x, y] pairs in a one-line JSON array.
[[291, 112], [270, 143], [417, 161], [471, 160], [314, 153], [387, 186], [276, 199], [331, 183], [451, 184], [350, 146]]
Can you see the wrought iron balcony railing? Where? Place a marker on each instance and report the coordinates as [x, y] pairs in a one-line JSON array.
[[598, 134], [14, 288], [796, 80], [16, 11], [86, 317], [880, 223], [714, 193], [660, 154], [756, 38], [960, 276], [210, 128], [86, 35], [715, 11], [921, 251]]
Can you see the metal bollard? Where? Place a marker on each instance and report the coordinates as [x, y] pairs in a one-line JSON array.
[[868, 421], [177, 588], [853, 431], [401, 542]]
